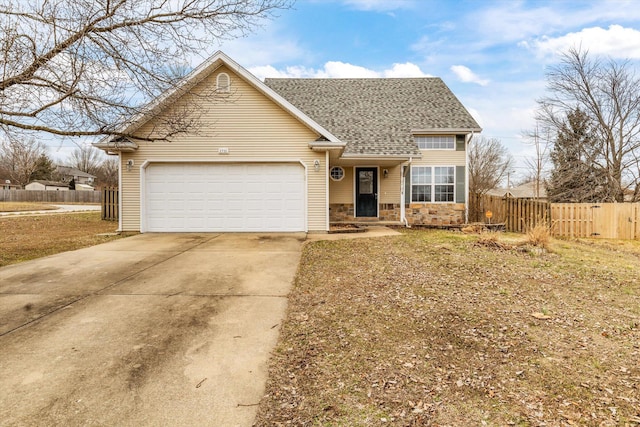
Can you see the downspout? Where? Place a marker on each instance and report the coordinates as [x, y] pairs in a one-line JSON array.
[[326, 186], [466, 179], [403, 187]]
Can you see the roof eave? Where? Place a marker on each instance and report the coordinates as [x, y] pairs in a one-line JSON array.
[[116, 146], [440, 131], [356, 156], [327, 145]]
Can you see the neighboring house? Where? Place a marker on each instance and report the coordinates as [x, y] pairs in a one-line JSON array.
[[47, 185], [527, 190], [67, 173], [7, 185], [295, 154]]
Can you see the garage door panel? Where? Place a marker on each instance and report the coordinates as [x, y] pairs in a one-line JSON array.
[[225, 197]]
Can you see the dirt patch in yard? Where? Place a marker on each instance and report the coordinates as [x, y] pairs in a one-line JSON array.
[[24, 238], [442, 328]]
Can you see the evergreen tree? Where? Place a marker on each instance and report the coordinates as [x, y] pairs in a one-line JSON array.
[[44, 169], [576, 176]]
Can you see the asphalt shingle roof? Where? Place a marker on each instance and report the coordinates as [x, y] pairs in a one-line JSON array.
[[376, 116]]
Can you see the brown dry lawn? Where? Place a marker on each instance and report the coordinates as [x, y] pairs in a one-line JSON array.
[[435, 328], [24, 206], [28, 237]]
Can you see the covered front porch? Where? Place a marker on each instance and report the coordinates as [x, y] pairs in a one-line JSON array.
[[376, 191]]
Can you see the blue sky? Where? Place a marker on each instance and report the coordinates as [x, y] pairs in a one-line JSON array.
[[492, 54]]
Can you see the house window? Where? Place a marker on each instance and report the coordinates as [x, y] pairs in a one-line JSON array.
[[223, 82], [421, 184], [444, 183], [432, 184], [436, 142], [336, 173]]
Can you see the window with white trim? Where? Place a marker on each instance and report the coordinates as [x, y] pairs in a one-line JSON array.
[[433, 184], [436, 142], [336, 173]]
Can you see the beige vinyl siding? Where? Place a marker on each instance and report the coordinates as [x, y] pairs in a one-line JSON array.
[[247, 123], [390, 186], [342, 191], [440, 158], [130, 193]]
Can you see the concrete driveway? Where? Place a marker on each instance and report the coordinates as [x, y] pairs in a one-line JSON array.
[[155, 329]]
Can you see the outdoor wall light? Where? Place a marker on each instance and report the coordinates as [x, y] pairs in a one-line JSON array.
[[316, 165], [129, 165], [385, 173]]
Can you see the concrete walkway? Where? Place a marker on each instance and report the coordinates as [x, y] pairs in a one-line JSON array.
[[369, 231], [59, 209]]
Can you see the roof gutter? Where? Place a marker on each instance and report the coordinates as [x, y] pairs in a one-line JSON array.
[[115, 146], [404, 157], [327, 145], [440, 131]]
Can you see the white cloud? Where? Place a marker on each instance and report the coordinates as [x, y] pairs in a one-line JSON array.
[[616, 41], [519, 20], [337, 70], [468, 76], [405, 70]]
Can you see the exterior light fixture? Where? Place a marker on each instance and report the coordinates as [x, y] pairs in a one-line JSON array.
[[129, 165], [385, 173], [316, 165]]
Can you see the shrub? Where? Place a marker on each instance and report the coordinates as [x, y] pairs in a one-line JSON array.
[[538, 235]]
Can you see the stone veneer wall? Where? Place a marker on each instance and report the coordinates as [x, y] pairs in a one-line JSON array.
[[389, 211], [417, 213], [435, 213], [341, 212]]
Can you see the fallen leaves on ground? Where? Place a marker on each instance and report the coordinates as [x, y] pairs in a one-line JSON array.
[[432, 328]]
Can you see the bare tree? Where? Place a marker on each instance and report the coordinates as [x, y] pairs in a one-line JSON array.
[[489, 162], [86, 158], [19, 159], [607, 92], [107, 173], [537, 164], [70, 67]]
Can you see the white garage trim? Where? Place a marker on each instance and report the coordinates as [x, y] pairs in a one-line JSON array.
[[144, 203]]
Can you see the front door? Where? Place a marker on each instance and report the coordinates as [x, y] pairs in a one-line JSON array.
[[366, 192]]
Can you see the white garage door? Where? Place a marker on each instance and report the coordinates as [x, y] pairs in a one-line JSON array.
[[224, 197]]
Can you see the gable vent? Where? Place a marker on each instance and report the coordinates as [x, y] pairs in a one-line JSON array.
[[223, 82]]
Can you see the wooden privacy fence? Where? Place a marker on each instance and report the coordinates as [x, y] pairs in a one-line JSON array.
[[603, 220], [516, 214], [50, 196], [110, 204], [521, 214]]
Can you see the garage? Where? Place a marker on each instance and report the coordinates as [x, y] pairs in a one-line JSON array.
[[213, 197]]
